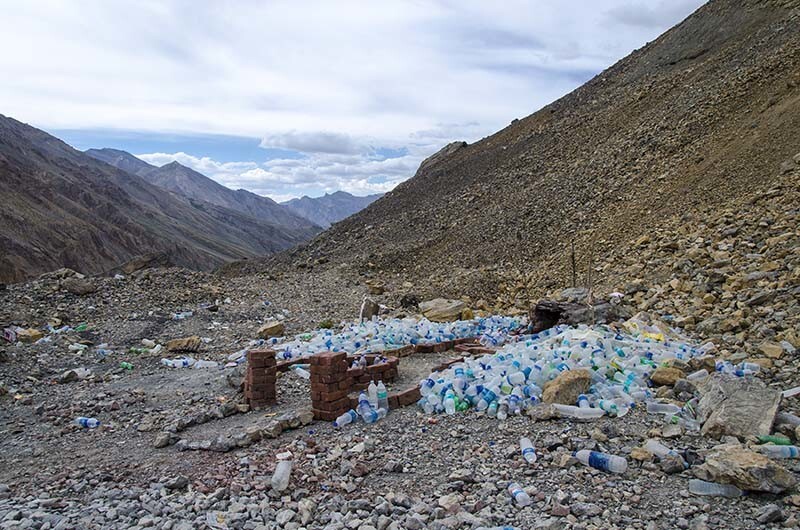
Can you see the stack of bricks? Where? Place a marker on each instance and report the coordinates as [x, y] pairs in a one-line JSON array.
[[259, 383], [385, 371], [330, 384]]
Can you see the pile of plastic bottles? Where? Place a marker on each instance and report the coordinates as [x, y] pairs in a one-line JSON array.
[[188, 362], [378, 335], [511, 380], [373, 405]]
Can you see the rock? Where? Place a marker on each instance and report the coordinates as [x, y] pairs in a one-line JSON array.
[[451, 503], [671, 464], [745, 469], [369, 308], [773, 350], [78, 286], [74, 374], [177, 483], [375, 287], [671, 430], [566, 388], [442, 310], [641, 454], [29, 335], [187, 344], [273, 328], [771, 513], [666, 376], [585, 509], [284, 516], [163, 439], [736, 406]]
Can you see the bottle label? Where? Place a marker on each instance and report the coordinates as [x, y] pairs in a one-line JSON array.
[[598, 460]]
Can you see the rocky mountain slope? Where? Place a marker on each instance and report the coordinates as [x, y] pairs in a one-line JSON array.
[[692, 121], [194, 185], [331, 207], [60, 207]]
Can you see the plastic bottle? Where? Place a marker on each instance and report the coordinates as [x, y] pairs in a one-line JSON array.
[[698, 375], [502, 411], [602, 461], [184, 362], [528, 452], [661, 450], [374, 415], [88, 423], [205, 364], [569, 411], [701, 487], [303, 373], [450, 402], [775, 439], [780, 451], [518, 494], [280, 479], [383, 396], [583, 401], [654, 407], [372, 394], [348, 417]]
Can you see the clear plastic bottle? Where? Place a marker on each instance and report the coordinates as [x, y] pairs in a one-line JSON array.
[[372, 394], [348, 417], [654, 407], [699, 375], [280, 479], [88, 423], [570, 411], [518, 494], [450, 402], [780, 451], [528, 452], [601, 461], [374, 415], [661, 450], [701, 487], [302, 372], [205, 364], [383, 396]]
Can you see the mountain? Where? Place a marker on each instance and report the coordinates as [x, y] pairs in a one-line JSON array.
[[62, 208], [706, 113], [189, 183], [330, 208]]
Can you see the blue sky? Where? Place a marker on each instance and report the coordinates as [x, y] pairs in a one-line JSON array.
[[287, 98]]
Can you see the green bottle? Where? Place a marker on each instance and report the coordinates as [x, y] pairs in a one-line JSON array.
[[775, 439], [126, 366]]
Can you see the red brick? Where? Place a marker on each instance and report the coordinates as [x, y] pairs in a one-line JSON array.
[[324, 415], [334, 396], [393, 401], [409, 396], [341, 404]]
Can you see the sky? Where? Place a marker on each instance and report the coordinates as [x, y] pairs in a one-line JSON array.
[[291, 98]]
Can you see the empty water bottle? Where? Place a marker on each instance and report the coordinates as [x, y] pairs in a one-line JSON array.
[[701, 487], [528, 452], [348, 417], [372, 394], [383, 396], [602, 461], [205, 364], [450, 402], [774, 439], [280, 479], [303, 373], [654, 407], [780, 451], [374, 415], [88, 423], [519, 495], [570, 411]]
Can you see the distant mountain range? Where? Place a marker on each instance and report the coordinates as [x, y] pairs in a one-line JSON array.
[[330, 208], [62, 208], [189, 183]]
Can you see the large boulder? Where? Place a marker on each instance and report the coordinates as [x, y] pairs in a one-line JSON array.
[[566, 388], [666, 376], [736, 406], [273, 328], [29, 335], [442, 310], [78, 286], [187, 344], [369, 308], [745, 469]]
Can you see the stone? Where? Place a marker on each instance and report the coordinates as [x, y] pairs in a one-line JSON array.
[[771, 513], [451, 503], [78, 286], [273, 328], [666, 376], [284, 516], [442, 310], [773, 350], [369, 308], [566, 388], [375, 287], [745, 469], [163, 439], [671, 464], [187, 344], [74, 374], [585, 509], [177, 483], [559, 510], [736, 406], [641, 454], [29, 335], [672, 430]]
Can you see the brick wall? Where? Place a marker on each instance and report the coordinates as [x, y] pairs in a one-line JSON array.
[[259, 381]]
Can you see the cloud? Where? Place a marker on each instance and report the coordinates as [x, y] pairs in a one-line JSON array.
[[652, 15], [313, 142]]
